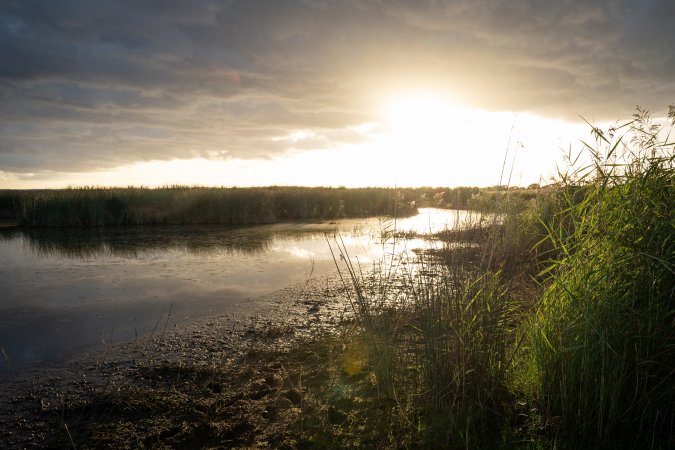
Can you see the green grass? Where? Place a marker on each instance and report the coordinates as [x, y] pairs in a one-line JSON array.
[[600, 347]]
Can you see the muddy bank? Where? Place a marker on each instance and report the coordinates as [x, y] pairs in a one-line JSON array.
[[232, 380]]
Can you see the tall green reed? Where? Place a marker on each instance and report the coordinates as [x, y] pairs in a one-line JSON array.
[[600, 347], [567, 298], [439, 340]]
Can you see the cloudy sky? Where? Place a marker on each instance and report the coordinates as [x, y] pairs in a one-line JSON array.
[[318, 92]]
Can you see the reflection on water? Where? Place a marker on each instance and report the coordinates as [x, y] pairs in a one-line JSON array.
[[138, 241], [431, 220], [135, 242], [69, 290]]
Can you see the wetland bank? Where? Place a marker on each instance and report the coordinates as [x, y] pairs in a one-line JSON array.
[[311, 301], [545, 321], [169, 297]]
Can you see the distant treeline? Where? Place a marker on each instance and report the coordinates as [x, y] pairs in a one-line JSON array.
[[91, 206], [487, 199]]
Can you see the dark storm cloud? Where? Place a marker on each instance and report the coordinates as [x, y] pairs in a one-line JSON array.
[[87, 84]]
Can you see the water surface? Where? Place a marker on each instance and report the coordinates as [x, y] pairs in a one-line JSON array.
[[70, 290]]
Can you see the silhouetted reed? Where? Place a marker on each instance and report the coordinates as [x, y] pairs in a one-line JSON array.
[[92, 207]]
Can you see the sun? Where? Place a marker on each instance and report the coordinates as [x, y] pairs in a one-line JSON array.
[[421, 111], [422, 120], [429, 137]]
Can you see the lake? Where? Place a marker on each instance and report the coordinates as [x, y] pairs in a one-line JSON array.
[[67, 291]]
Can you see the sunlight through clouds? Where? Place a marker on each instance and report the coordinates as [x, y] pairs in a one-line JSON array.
[[420, 145], [110, 91]]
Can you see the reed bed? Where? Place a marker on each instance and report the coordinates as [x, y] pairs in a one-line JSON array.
[[181, 205], [556, 332], [601, 347], [438, 339], [93, 207]]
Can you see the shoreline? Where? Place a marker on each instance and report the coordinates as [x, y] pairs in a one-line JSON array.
[[285, 318]]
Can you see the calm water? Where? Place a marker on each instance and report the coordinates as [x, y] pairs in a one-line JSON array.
[[71, 290]]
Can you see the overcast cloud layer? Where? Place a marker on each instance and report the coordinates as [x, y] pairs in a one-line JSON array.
[[92, 84]]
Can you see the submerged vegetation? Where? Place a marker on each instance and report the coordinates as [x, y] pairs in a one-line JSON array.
[[551, 325]]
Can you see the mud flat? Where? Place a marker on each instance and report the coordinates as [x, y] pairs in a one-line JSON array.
[[232, 380]]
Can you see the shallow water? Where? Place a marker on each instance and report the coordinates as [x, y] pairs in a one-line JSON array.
[[66, 291]]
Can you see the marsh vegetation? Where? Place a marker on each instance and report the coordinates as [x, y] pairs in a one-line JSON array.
[[557, 333], [548, 325], [184, 205]]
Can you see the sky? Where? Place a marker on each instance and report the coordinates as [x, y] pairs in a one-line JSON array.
[[319, 92]]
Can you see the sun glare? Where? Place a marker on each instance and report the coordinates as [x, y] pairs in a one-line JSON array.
[[427, 126], [430, 138], [420, 138], [420, 112], [425, 121]]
